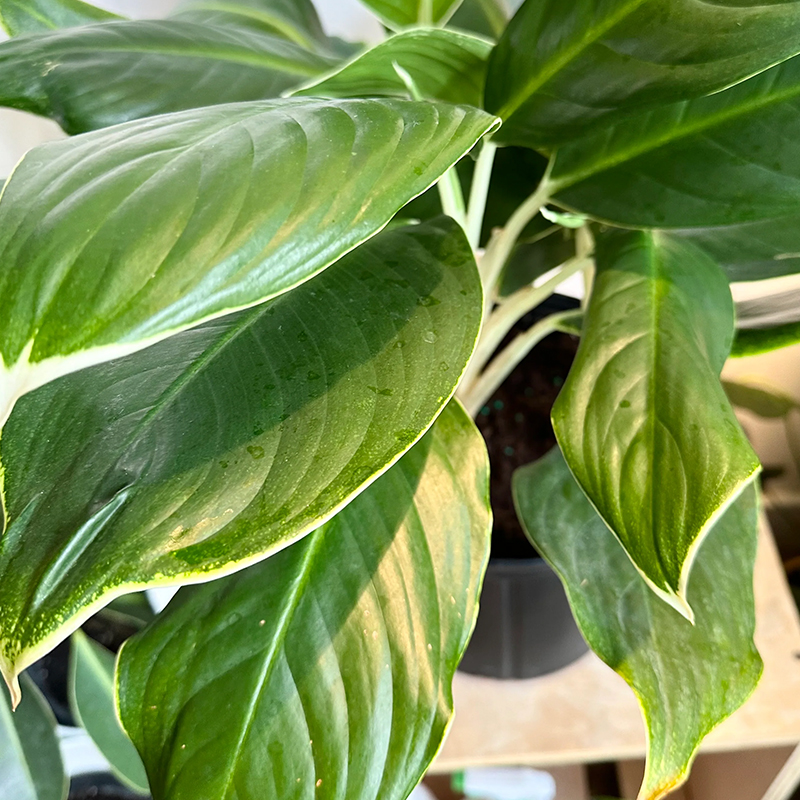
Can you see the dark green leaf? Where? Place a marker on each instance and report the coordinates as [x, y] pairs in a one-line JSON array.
[[730, 158], [753, 341], [223, 444], [35, 16], [91, 698], [530, 261], [402, 13], [484, 17], [767, 323], [687, 678], [642, 419], [325, 671], [444, 65], [101, 75], [561, 67], [30, 761], [295, 20], [116, 239]]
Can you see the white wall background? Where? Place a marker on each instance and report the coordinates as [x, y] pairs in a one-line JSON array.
[[19, 132]]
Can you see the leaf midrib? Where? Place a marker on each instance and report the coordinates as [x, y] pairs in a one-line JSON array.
[[535, 82], [683, 132]]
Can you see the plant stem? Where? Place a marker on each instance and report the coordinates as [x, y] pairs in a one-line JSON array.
[[452, 197], [503, 318], [502, 243], [479, 193], [474, 397]]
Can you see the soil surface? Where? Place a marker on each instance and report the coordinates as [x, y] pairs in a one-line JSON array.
[[516, 426]]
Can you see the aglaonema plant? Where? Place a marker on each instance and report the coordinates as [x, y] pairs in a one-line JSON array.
[[249, 305]]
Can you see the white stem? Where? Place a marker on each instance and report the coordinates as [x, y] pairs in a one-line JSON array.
[[474, 397], [452, 197], [787, 779], [479, 193]]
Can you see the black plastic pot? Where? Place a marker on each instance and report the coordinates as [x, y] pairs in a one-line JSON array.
[[100, 786], [525, 627]]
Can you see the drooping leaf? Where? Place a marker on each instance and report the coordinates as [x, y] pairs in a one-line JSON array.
[[116, 239], [91, 698], [761, 399], [687, 678], [30, 761], [563, 67], [100, 75], [18, 17], [223, 444], [730, 158], [642, 419], [403, 13], [296, 20], [325, 671], [444, 65]]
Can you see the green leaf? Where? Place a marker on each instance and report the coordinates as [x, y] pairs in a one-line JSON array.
[[484, 17], [687, 678], [730, 158], [767, 323], [642, 419], [753, 341], [751, 251], [30, 761], [444, 65], [760, 399], [325, 671], [402, 13], [36, 16], [530, 261], [295, 20], [561, 68], [91, 699], [101, 75], [225, 443], [117, 239]]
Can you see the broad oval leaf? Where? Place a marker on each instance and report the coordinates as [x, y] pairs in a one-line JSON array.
[[445, 65], [114, 240], [36, 16], [733, 157], [325, 671], [562, 67], [403, 13], [687, 678], [92, 701], [101, 75], [225, 443], [30, 761], [642, 419], [296, 20]]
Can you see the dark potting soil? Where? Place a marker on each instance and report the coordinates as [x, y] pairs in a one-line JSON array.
[[516, 426]]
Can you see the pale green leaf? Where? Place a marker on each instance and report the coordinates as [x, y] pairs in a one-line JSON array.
[[91, 699], [730, 158], [36, 16], [687, 678], [225, 443], [443, 64], [403, 13], [100, 75], [30, 761], [562, 67], [761, 399], [642, 419], [325, 671], [114, 240]]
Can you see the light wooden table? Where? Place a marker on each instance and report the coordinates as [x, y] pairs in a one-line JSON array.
[[587, 713]]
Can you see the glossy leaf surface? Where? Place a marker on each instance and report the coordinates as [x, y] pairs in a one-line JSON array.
[[563, 67], [484, 17], [30, 761], [730, 158], [91, 698], [642, 419], [403, 13], [687, 678], [444, 65], [325, 671], [35, 16], [225, 443], [114, 240], [100, 75], [295, 20]]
